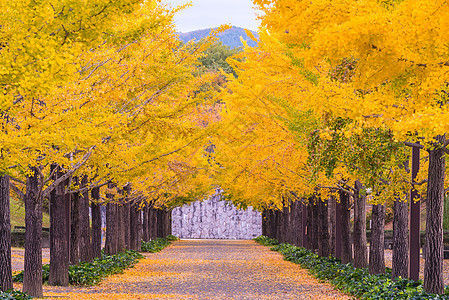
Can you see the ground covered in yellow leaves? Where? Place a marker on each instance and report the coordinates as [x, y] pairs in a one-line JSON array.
[[207, 269]]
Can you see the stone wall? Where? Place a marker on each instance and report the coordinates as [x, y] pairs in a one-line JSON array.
[[215, 219]]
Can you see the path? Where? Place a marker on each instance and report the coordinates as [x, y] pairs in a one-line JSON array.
[[208, 269]]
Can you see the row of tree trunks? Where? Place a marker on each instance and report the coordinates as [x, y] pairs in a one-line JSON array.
[[5, 236]]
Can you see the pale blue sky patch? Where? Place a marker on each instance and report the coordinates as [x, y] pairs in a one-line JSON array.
[[213, 13]]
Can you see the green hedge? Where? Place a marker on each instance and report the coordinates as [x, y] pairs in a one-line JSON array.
[[356, 282], [92, 273], [11, 295]]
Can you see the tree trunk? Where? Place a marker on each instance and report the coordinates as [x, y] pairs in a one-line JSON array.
[[153, 223], [332, 218], [32, 276], [315, 225], [323, 230], [127, 223], [377, 248], [360, 242], [121, 228], [400, 239], [96, 223], [111, 244], [345, 213], [160, 223], [433, 266], [85, 244], [146, 234], [5, 236], [59, 247], [309, 230], [264, 223], [75, 226], [167, 231], [110, 247], [134, 227]]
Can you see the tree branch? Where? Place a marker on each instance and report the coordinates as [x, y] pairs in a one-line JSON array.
[[17, 190], [69, 173]]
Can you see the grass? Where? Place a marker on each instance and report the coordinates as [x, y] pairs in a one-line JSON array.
[[17, 208]]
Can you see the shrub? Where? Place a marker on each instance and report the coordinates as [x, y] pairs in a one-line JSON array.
[[158, 244], [11, 294], [356, 282]]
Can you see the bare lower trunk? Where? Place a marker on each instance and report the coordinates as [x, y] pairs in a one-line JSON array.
[[127, 222], [153, 223], [85, 244], [75, 227], [309, 230], [323, 232], [360, 242], [400, 240], [59, 247], [96, 223], [146, 234], [433, 267], [377, 249], [332, 205], [345, 212], [32, 276], [135, 227], [110, 247], [315, 225], [5, 236], [121, 240]]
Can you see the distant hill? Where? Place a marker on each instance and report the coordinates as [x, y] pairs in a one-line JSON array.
[[230, 37]]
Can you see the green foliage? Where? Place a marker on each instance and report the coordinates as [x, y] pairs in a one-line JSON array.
[[92, 273], [356, 282], [14, 295], [157, 244], [215, 58], [446, 213]]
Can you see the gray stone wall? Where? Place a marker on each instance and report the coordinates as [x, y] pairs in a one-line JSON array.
[[215, 219]]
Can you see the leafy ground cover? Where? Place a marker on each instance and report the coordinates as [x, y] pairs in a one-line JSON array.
[[356, 282], [17, 295], [87, 274]]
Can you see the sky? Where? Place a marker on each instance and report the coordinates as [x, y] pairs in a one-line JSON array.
[[213, 13]]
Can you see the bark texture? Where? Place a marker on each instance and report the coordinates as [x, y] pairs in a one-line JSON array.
[[377, 249], [96, 223], [360, 242], [433, 266], [59, 246], [145, 229], [345, 212], [400, 240], [323, 232], [5, 236], [32, 276], [85, 244], [332, 206], [110, 247], [75, 227]]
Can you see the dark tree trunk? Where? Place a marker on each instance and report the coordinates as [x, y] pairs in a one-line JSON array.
[[400, 239], [32, 276], [332, 222], [96, 223], [121, 239], [309, 230], [282, 228], [153, 223], [139, 228], [59, 247], [127, 222], [338, 229], [5, 236], [146, 234], [110, 247], [360, 242], [297, 223], [315, 225], [85, 244], [111, 244], [134, 236], [377, 248], [75, 226], [264, 223], [323, 232], [345, 213], [433, 266], [167, 230], [304, 218], [160, 223]]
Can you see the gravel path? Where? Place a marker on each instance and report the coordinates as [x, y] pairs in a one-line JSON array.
[[207, 269]]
